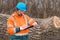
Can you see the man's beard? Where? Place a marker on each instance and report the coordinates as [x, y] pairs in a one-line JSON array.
[[20, 14]]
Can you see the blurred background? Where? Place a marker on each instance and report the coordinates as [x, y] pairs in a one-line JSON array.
[[40, 9], [35, 8]]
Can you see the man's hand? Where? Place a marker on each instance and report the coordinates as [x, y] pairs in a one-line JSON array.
[[35, 24], [24, 27]]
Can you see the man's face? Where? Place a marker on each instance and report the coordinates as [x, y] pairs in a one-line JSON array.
[[20, 13]]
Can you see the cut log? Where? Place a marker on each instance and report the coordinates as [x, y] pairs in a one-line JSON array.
[[56, 21]]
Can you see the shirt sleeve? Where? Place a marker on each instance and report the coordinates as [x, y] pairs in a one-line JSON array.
[[10, 25], [30, 20]]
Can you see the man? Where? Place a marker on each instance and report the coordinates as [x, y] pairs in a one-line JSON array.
[[19, 23]]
